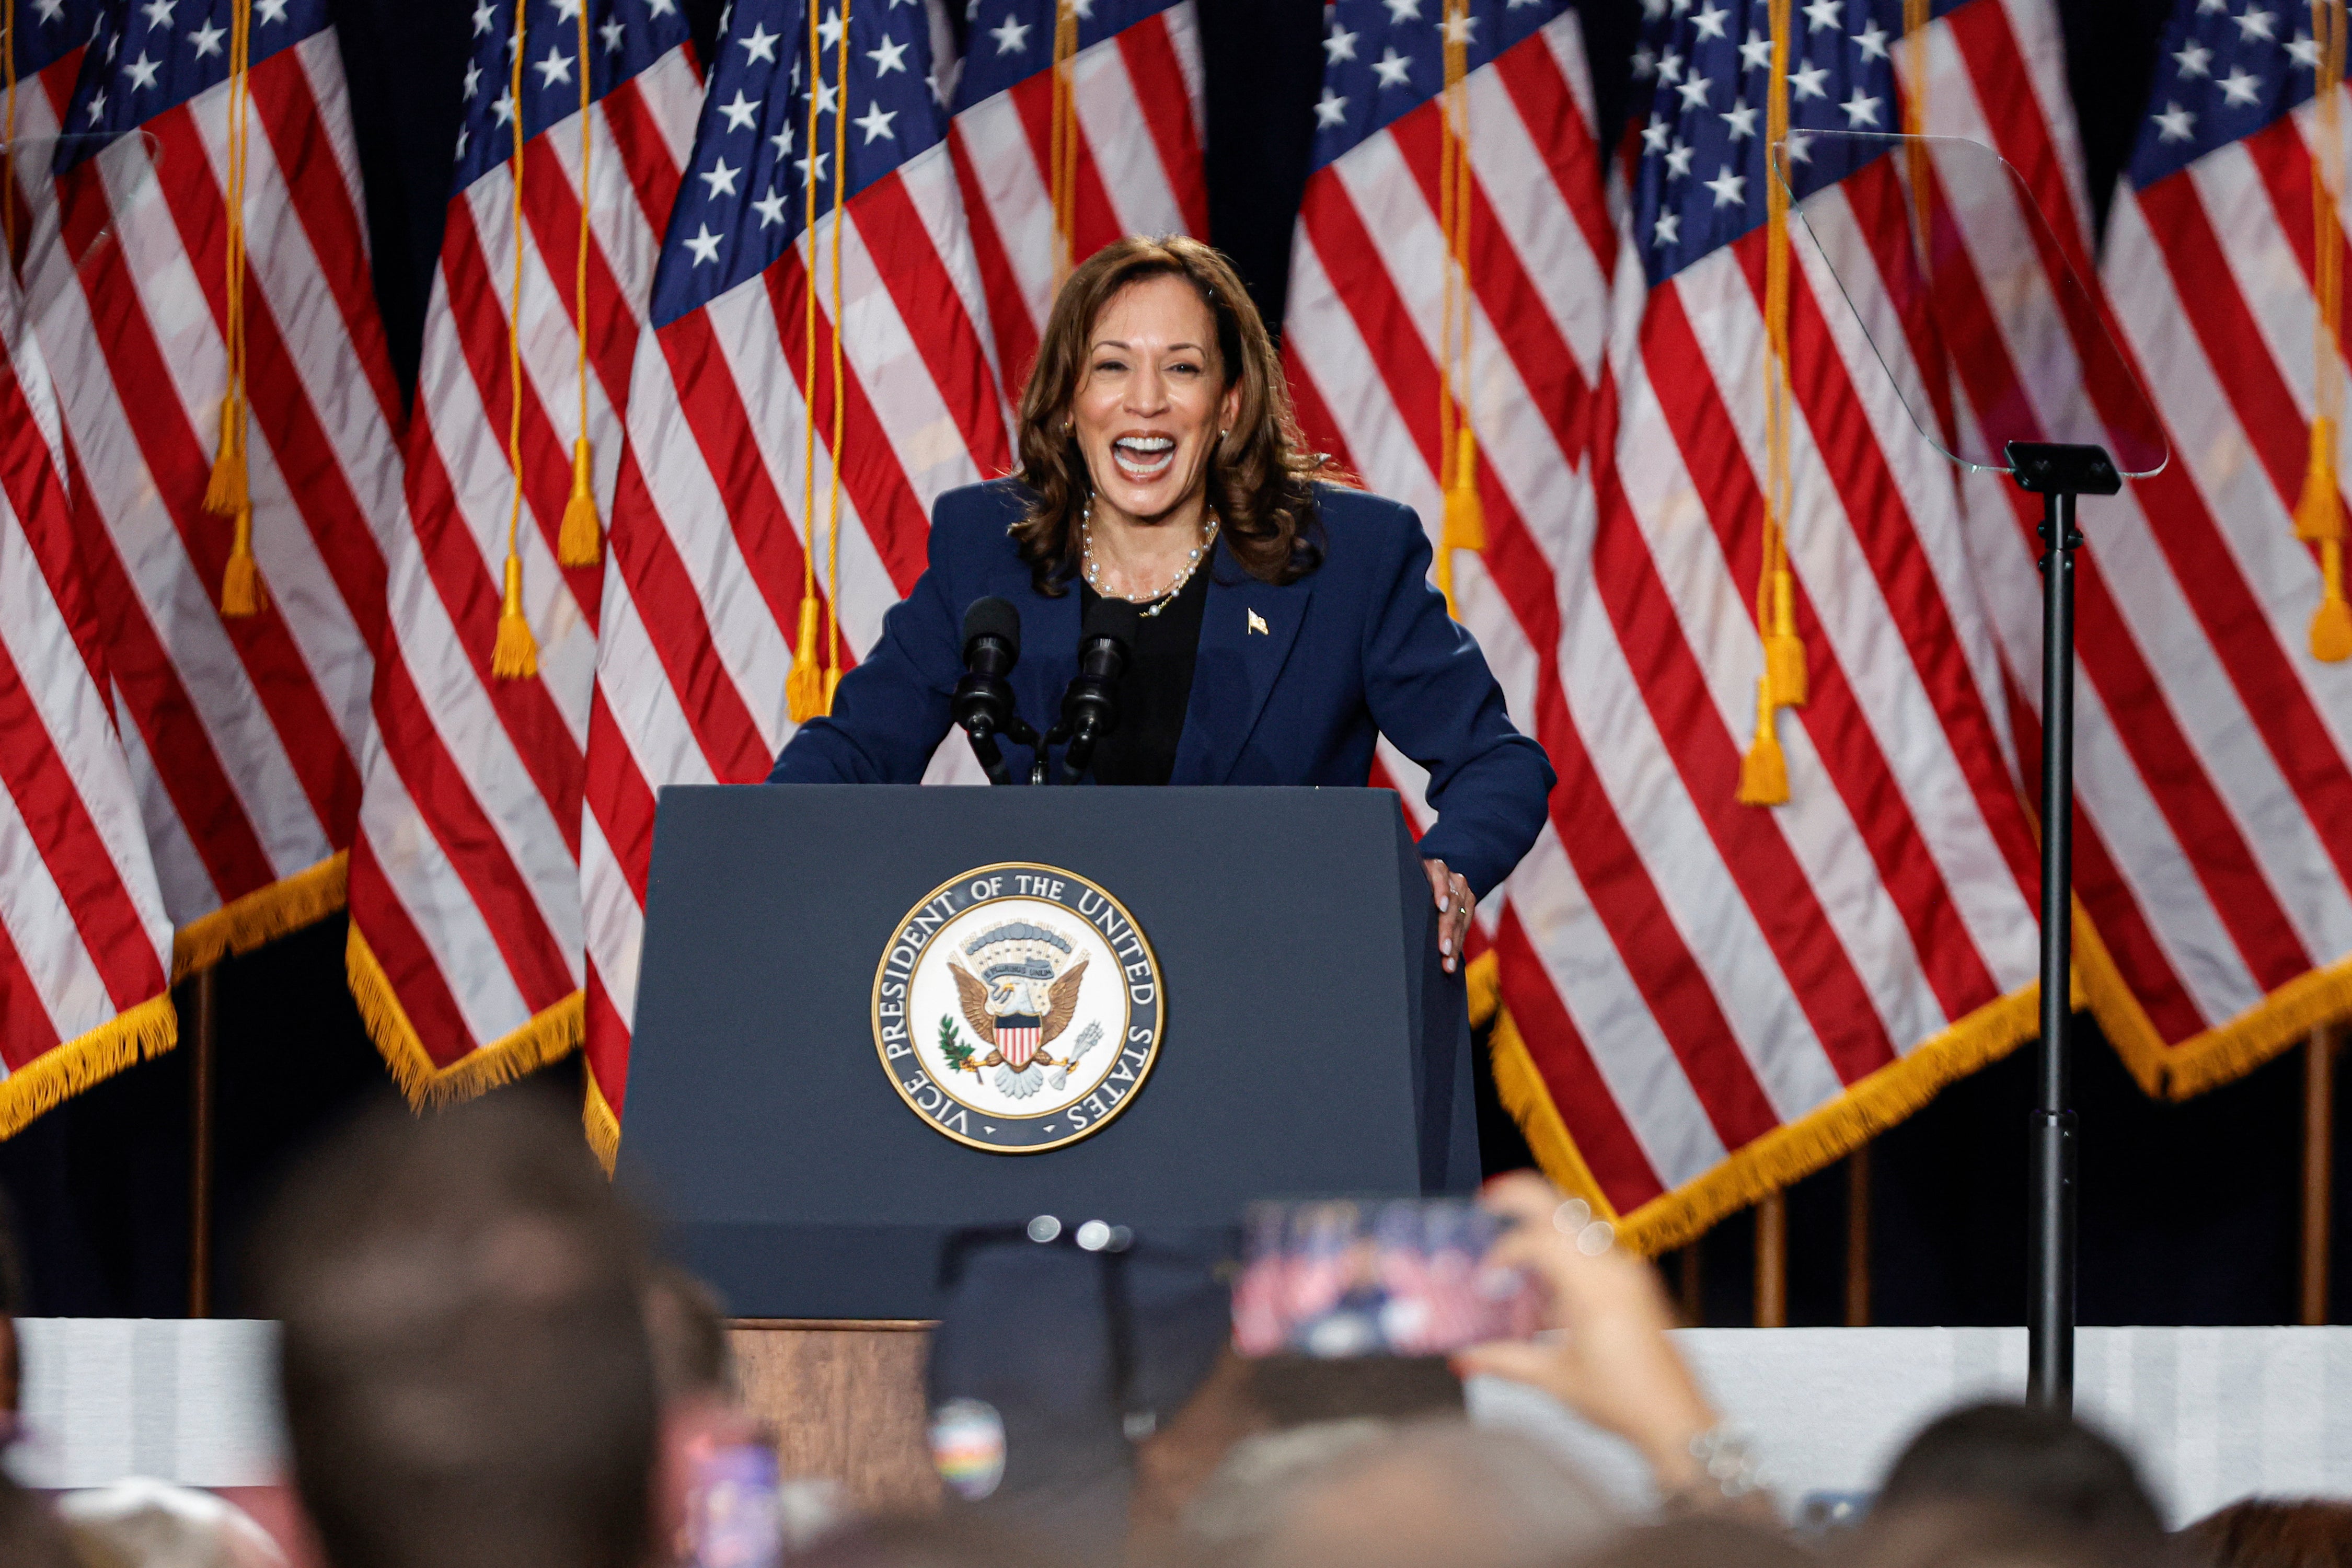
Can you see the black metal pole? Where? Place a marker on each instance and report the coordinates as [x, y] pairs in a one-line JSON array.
[[2049, 1308]]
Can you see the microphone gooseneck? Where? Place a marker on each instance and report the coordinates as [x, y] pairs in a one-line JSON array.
[[1090, 706], [984, 705]]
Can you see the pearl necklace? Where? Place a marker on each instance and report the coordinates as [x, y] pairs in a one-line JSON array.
[[1166, 596]]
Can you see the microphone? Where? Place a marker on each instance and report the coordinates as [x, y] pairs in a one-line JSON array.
[[1090, 706], [983, 703]]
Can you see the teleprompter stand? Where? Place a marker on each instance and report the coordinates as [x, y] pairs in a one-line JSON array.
[[2058, 474], [2031, 418]]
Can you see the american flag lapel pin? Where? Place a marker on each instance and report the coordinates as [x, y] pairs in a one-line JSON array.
[[1257, 623]]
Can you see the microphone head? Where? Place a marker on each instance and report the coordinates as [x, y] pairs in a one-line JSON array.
[[992, 617], [1117, 619]]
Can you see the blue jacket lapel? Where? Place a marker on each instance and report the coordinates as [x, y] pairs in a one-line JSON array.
[[1246, 632]]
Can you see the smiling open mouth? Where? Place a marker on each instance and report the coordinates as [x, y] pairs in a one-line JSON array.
[[1143, 458]]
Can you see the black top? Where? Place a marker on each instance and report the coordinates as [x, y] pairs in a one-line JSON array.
[[1155, 691]]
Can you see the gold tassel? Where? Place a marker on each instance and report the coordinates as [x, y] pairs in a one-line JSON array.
[[1464, 522], [241, 591], [1784, 651], [516, 655], [832, 685], [226, 493], [2331, 624], [804, 693], [579, 543], [1764, 771], [2318, 511]]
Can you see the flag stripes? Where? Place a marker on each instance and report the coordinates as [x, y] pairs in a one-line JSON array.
[[465, 941]]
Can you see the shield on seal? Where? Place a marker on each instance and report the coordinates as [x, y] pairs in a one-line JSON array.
[[1017, 1038]]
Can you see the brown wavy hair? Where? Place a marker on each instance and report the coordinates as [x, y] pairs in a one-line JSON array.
[[1261, 475]]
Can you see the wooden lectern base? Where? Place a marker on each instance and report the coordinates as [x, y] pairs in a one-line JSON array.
[[844, 1397]]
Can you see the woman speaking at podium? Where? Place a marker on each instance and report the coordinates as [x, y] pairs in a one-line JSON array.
[[1285, 621]]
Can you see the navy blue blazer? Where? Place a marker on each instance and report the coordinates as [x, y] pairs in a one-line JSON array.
[[1362, 647]]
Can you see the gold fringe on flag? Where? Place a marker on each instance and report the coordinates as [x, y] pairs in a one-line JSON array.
[[2319, 511], [579, 542], [64, 1071], [1764, 771], [242, 924], [1462, 525], [515, 655], [228, 491], [548, 1036]]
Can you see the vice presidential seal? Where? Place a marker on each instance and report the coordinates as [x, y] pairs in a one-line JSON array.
[[1018, 1008]]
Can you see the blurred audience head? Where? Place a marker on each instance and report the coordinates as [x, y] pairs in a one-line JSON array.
[[1363, 1494], [466, 1372], [144, 1523], [2272, 1532], [692, 1359], [952, 1540], [1699, 1541], [30, 1535], [1977, 1533], [2034, 1463]]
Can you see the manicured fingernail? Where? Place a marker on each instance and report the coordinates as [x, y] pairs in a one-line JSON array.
[[1445, 944], [1444, 906]]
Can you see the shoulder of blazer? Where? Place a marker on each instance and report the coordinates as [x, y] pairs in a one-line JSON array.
[[1365, 534], [970, 517]]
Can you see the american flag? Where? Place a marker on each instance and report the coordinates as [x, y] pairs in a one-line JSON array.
[[2212, 774], [244, 732], [720, 522], [44, 45], [1130, 134], [85, 946], [1366, 346], [466, 944], [1744, 992]]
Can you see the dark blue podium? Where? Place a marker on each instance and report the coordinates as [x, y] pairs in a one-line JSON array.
[[1308, 1041]]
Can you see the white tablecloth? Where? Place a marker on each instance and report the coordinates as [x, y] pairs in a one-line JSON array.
[[2212, 1413]]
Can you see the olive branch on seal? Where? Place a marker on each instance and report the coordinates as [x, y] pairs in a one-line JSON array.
[[952, 1045]]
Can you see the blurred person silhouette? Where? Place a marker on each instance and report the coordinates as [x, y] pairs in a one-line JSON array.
[[30, 1533], [1365, 1494], [956, 1539], [712, 1444], [2033, 1463], [2271, 1532], [464, 1356], [1700, 1541], [1979, 1532], [142, 1522]]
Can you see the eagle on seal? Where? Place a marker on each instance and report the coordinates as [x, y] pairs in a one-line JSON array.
[[1017, 1015]]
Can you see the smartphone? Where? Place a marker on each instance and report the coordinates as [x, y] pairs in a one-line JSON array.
[[734, 1518], [1405, 1277]]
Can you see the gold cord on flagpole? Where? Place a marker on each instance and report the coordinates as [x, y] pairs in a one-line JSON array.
[[1063, 141], [840, 396], [805, 684], [229, 492], [2319, 511], [515, 656], [579, 543], [1764, 771], [1916, 17], [1462, 525]]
